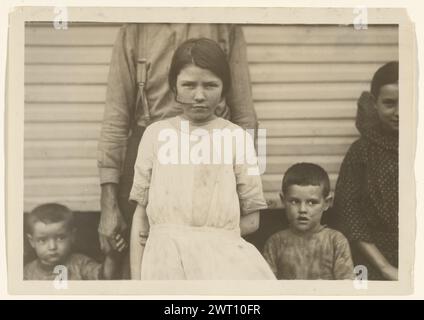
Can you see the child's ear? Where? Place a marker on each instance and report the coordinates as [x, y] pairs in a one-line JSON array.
[[281, 197], [222, 101], [328, 201], [174, 92], [30, 240], [374, 100]]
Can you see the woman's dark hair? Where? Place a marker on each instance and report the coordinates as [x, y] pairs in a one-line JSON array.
[[387, 74], [203, 53]]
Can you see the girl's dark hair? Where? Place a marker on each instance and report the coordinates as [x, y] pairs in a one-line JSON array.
[[306, 174], [387, 74], [203, 53]]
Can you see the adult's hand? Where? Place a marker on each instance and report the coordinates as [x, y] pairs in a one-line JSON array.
[[112, 222]]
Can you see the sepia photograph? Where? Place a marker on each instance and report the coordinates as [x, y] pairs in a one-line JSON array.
[[259, 152]]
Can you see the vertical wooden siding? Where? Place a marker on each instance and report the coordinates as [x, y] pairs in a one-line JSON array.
[[306, 80]]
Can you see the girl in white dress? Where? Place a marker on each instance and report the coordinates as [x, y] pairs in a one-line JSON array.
[[195, 184]]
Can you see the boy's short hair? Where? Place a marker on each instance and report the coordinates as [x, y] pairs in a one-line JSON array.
[[50, 213], [387, 74], [306, 174]]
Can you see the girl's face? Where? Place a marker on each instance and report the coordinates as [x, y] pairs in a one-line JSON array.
[[199, 90], [387, 105]]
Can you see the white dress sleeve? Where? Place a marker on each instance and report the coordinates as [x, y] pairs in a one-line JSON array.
[[143, 167], [248, 179]]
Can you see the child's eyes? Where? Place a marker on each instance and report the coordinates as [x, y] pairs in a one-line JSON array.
[[390, 103], [309, 203], [211, 85], [58, 238], [207, 85]]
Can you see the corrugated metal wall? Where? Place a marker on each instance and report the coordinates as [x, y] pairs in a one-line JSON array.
[[306, 80]]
